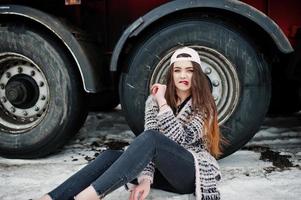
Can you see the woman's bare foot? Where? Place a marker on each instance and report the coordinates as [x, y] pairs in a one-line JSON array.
[[45, 197], [87, 194]]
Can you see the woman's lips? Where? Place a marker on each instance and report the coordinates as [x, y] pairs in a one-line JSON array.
[[184, 82]]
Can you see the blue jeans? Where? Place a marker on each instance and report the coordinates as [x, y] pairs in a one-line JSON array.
[[174, 172]]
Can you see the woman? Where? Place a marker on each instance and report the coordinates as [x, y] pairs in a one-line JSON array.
[[177, 151]]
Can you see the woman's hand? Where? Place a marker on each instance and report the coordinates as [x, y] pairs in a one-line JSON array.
[[158, 91], [140, 191]]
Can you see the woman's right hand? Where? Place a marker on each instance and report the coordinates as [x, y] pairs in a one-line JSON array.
[[158, 91], [141, 190]]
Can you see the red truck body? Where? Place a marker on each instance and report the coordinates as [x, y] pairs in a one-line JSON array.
[[118, 13], [285, 14]]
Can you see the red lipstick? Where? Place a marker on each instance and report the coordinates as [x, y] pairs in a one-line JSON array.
[[184, 82]]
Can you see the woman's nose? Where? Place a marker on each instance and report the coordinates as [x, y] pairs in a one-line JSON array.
[[183, 75]]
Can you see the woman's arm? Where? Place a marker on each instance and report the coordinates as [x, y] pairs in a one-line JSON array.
[[173, 129], [151, 111]]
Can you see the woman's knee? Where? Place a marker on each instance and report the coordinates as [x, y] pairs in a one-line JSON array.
[[151, 135]]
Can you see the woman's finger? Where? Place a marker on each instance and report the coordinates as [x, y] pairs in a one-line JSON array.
[[136, 193], [131, 198], [143, 195], [132, 194], [154, 90], [154, 86]]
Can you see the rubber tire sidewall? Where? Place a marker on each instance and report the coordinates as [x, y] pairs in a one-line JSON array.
[[65, 112], [249, 63]]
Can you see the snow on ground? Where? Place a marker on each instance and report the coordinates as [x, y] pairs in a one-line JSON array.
[[268, 167], [245, 177]]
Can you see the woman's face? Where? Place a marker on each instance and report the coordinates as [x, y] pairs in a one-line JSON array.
[[182, 74]]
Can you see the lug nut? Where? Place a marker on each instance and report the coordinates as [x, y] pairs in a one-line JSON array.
[[12, 109], [20, 70], [208, 70], [25, 113], [8, 74], [43, 97], [215, 83], [2, 86], [37, 109], [215, 97], [32, 73], [41, 84], [3, 99]]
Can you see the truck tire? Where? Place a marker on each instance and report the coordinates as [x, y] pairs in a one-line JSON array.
[[41, 97], [237, 70]]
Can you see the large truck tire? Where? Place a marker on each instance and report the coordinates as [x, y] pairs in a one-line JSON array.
[[238, 73], [41, 96]]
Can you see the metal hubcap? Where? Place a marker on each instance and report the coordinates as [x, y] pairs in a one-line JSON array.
[[24, 93], [221, 73]]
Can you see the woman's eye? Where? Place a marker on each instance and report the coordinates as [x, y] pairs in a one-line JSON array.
[[176, 70]]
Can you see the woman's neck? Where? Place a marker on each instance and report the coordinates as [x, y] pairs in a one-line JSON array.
[[182, 96]]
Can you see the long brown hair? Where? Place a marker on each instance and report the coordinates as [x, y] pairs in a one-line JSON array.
[[202, 101]]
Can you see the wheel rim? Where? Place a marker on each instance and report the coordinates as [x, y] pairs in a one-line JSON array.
[[221, 73], [24, 93]]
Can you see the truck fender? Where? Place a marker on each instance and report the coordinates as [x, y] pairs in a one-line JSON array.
[[237, 7], [54, 26]]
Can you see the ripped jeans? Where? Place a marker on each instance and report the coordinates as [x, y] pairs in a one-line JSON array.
[[174, 168]]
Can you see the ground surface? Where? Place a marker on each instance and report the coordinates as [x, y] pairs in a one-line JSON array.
[[268, 167]]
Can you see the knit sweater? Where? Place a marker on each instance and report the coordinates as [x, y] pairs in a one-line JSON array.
[[187, 130]]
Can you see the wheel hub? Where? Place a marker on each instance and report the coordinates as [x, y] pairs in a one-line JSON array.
[[16, 93], [24, 93]]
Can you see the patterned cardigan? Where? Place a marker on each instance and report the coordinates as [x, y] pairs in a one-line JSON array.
[[187, 130]]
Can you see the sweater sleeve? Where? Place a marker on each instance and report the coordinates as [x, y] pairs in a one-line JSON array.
[[173, 129], [150, 116], [147, 173]]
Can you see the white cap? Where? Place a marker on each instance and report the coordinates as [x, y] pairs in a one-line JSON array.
[[193, 55]]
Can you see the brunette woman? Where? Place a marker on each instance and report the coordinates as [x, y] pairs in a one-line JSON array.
[[177, 151]]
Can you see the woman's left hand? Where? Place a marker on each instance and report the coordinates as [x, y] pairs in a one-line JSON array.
[[140, 191]]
